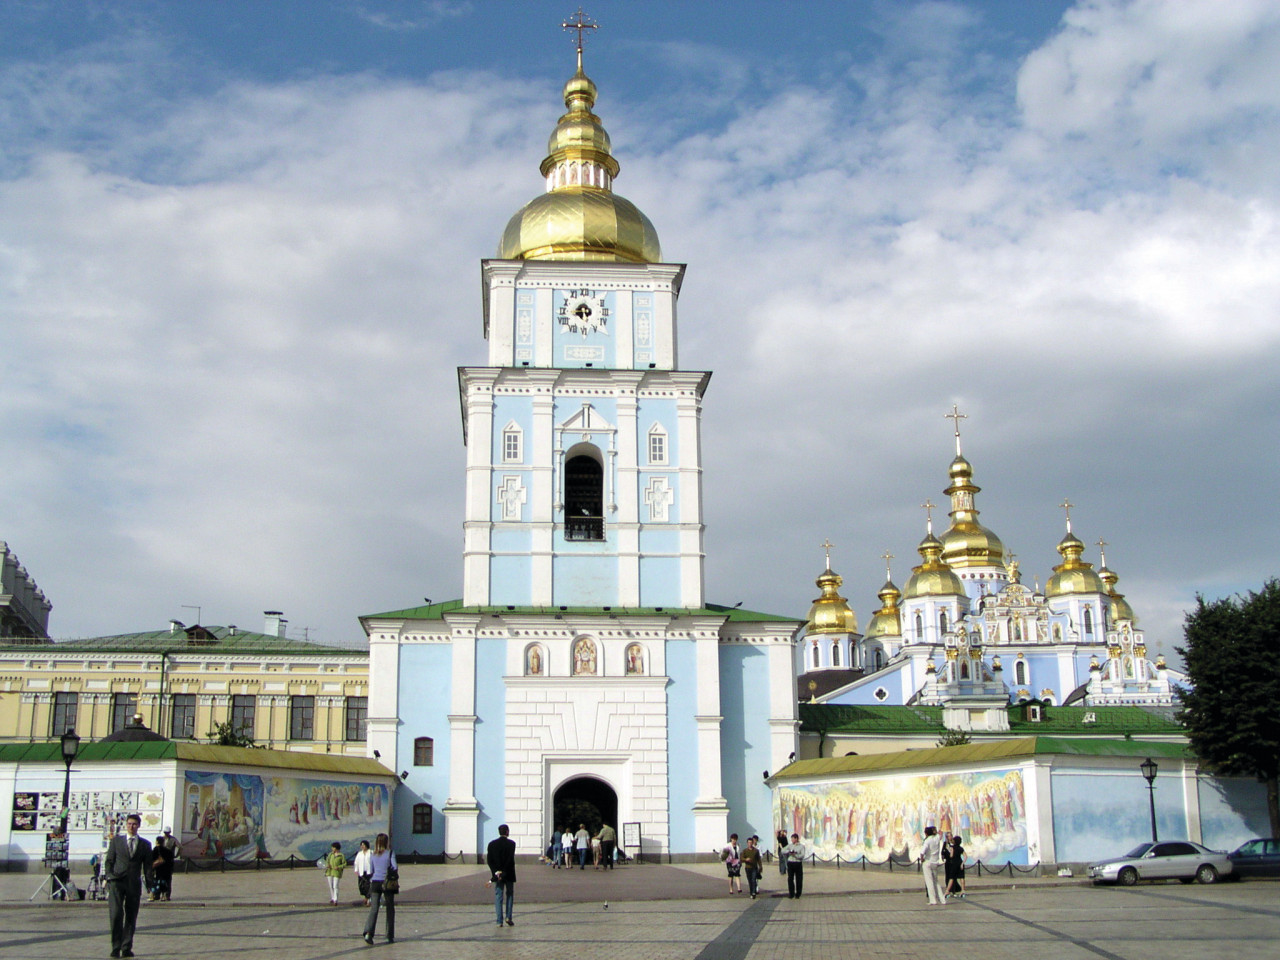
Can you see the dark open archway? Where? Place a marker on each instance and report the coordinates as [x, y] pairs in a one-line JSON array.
[[585, 800]]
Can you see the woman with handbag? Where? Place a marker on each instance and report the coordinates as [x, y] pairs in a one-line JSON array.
[[384, 883], [361, 865]]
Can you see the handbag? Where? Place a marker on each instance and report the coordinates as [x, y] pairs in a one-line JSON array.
[[392, 883]]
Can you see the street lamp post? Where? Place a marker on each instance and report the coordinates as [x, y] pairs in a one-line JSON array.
[[1149, 768], [70, 747]]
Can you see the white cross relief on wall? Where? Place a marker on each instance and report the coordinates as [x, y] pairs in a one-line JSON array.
[[658, 495], [511, 494]]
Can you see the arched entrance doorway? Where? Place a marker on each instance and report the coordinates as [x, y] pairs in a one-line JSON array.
[[585, 800]]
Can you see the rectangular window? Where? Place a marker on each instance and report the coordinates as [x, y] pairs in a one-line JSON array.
[[123, 707], [424, 749], [657, 448], [302, 718], [243, 713], [357, 717], [182, 726], [64, 713], [422, 818], [511, 447]]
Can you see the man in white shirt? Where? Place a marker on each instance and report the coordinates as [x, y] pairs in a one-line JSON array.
[[795, 852], [931, 866]]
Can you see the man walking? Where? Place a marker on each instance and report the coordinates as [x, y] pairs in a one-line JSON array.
[[128, 859], [608, 840], [795, 853], [501, 860]]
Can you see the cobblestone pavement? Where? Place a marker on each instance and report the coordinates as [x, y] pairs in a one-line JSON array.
[[268, 916]]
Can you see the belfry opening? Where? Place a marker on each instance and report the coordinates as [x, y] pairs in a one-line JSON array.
[[584, 800]]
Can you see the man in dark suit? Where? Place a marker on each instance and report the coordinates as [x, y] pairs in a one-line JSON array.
[[128, 859], [501, 858]]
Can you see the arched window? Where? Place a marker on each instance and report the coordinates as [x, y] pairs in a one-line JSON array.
[[1088, 620], [584, 497], [424, 752], [879, 658], [919, 627], [817, 657], [835, 653], [964, 669], [1020, 672], [942, 622]]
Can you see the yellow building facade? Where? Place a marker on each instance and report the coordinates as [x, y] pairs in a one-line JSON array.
[[184, 682]]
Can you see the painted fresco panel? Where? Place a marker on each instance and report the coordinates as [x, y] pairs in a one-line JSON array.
[[244, 817], [883, 817]]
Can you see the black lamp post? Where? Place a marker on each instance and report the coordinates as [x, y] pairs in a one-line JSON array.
[[70, 747], [1149, 768]]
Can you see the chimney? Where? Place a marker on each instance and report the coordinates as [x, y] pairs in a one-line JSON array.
[[275, 623]]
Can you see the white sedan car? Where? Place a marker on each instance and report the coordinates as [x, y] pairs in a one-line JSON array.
[[1171, 860]]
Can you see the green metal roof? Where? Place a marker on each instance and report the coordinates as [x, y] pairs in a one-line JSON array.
[[1063, 721], [201, 753], [973, 753], [220, 640], [436, 611]]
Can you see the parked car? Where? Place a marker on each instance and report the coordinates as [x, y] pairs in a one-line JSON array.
[[1257, 858], [1169, 860]]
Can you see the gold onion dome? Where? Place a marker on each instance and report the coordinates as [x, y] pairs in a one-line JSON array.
[[1073, 575], [968, 543], [1118, 608], [580, 217], [934, 577], [887, 621], [831, 613]]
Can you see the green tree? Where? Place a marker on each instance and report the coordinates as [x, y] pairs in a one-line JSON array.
[[224, 735], [1232, 655], [954, 738]]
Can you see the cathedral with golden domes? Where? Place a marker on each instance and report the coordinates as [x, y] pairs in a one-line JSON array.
[[967, 633]]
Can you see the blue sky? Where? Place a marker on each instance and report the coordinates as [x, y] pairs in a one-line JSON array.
[[239, 265]]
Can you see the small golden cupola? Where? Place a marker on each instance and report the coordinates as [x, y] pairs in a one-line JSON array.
[[934, 577], [580, 217], [887, 621], [831, 612], [967, 543], [1118, 608], [1073, 575]]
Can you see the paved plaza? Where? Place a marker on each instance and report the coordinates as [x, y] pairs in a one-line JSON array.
[[662, 912]]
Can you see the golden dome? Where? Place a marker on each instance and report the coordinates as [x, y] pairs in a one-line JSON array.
[[887, 621], [1118, 608], [1073, 575], [968, 543], [580, 217], [830, 613], [934, 577]]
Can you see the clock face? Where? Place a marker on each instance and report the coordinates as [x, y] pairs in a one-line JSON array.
[[583, 311]]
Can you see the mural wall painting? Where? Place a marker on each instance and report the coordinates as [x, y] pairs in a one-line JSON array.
[[245, 817], [879, 818]]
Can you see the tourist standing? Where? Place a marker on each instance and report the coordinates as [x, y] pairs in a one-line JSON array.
[[731, 856], [752, 861], [363, 869], [501, 860], [930, 864], [608, 842], [567, 847], [128, 859], [779, 844], [163, 867], [334, 864], [953, 867], [581, 844], [795, 853], [383, 873]]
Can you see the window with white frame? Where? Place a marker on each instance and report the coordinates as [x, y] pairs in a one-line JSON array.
[[512, 443], [657, 445]]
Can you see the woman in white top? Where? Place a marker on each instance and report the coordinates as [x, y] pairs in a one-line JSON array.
[[363, 870], [931, 864], [566, 843]]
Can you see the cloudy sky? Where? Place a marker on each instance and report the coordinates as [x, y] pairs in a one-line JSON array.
[[239, 266]]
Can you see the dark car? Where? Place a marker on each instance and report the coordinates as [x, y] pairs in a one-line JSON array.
[[1257, 858], [1170, 860]]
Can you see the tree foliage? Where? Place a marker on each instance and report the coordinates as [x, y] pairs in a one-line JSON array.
[[954, 738], [224, 735], [1231, 713]]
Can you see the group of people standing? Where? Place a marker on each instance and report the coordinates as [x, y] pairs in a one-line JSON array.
[[567, 848], [942, 862], [750, 860]]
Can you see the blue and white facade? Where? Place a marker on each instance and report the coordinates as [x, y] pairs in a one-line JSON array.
[[582, 647]]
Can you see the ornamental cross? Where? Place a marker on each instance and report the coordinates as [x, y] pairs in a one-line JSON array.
[[956, 416], [1067, 505], [1102, 549], [886, 557], [827, 545], [580, 23], [928, 507]]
